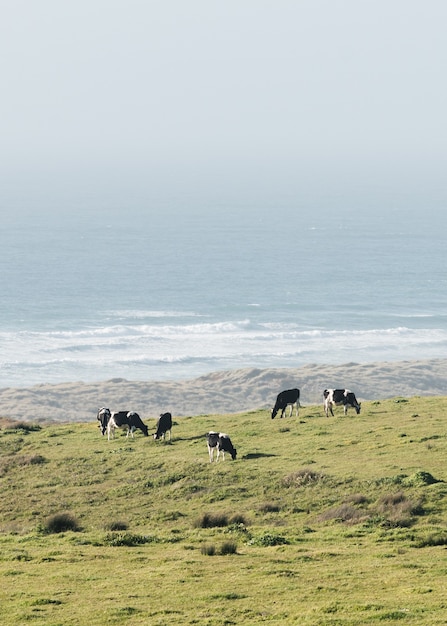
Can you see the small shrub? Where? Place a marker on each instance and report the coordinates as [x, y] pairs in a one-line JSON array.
[[398, 510], [208, 549], [211, 520], [228, 547], [127, 539], [36, 459], [303, 477], [115, 525], [269, 507], [419, 479], [345, 512], [59, 523], [237, 520], [268, 539], [25, 427], [439, 539]]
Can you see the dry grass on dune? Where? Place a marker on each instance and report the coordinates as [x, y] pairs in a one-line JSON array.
[[222, 392]]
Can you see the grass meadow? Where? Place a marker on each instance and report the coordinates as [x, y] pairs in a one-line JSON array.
[[319, 521]]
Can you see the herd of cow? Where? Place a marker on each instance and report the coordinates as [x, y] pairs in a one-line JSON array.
[[220, 442]]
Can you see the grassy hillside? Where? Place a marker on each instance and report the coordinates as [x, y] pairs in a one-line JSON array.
[[319, 521]]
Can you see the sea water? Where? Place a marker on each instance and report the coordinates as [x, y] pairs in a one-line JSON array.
[[150, 292]]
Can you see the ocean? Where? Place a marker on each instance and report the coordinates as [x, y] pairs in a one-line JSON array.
[[143, 291]]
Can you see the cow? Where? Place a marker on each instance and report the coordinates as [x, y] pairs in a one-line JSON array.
[[340, 397], [125, 419], [289, 397], [103, 417], [164, 425], [220, 442]]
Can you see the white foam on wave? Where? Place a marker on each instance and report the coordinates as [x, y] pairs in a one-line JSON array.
[[179, 351]]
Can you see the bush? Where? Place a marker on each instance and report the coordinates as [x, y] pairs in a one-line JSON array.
[[345, 512], [398, 510], [127, 539], [435, 539], [303, 477], [419, 479], [228, 547], [208, 549], [268, 539], [59, 523], [269, 507], [117, 525], [218, 520], [211, 520]]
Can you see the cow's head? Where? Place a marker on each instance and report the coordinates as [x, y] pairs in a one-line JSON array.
[[357, 407], [274, 412]]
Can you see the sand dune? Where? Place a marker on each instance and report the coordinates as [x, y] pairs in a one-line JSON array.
[[222, 392]]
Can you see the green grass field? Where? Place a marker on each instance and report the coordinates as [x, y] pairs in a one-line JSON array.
[[319, 521]]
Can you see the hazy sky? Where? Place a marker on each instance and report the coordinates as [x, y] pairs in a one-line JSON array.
[[225, 99]]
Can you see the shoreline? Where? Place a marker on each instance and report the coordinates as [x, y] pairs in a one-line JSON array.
[[221, 392]]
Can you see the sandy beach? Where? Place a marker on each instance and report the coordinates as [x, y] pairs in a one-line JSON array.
[[222, 392]]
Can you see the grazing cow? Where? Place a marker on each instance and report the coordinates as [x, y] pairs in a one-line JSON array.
[[340, 397], [164, 425], [220, 442], [103, 417], [125, 419], [289, 397]]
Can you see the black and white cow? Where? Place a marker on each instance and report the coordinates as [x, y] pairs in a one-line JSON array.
[[103, 417], [164, 425], [289, 397], [220, 442], [340, 397], [125, 419]]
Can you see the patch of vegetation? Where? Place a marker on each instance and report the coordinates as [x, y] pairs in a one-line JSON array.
[[420, 479], [218, 520], [433, 539], [24, 427], [345, 512], [127, 539], [227, 547], [115, 525], [303, 477], [267, 539], [60, 523]]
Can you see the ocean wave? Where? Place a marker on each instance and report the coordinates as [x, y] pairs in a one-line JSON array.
[[146, 351]]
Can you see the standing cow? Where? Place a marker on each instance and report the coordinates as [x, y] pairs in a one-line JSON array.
[[103, 417], [289, 397], [220, 442], [164, 425], [125, 419], [340, 397]]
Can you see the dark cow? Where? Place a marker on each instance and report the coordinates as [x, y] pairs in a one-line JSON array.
[[103, 417], [125, 419], [340, 397], [289, 397], [220, 442], [164, 425]]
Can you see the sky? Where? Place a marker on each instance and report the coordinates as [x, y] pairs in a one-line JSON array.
[[224, 101]]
